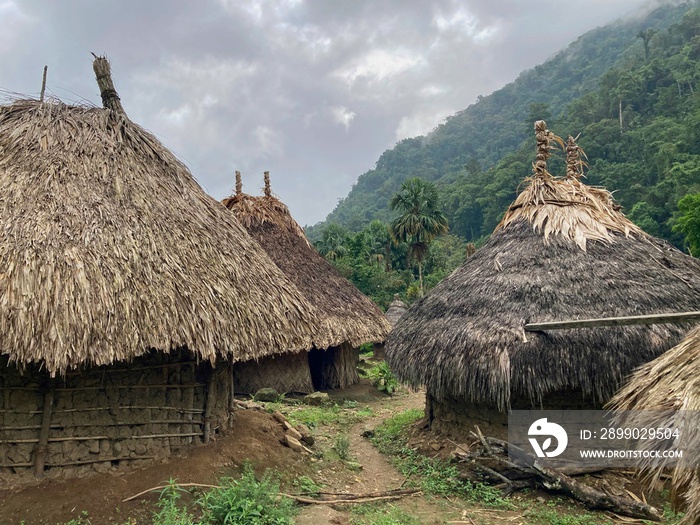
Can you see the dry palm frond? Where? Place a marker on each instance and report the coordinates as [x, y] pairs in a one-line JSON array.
[[566, 207], [667, 392]]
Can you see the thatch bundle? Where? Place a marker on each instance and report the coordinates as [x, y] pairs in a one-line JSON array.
[[109, 248], [669, 388], [563, 251], [344, 314]]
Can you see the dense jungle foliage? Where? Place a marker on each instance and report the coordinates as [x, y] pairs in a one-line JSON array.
[[629, 89]]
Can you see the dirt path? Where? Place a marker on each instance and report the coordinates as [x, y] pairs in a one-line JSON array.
[[377, 473]]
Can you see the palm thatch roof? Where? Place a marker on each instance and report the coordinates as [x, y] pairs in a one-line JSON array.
[[563, 251], [344, 314], [669, 388], [397, 308], [109, 248]]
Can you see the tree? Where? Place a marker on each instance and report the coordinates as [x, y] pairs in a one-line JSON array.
[[333, 244], [420, 221], [689, 221]]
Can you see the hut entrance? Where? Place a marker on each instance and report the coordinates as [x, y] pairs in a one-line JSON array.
[[335, 367]]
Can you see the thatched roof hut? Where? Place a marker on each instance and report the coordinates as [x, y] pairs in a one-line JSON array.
[[344, 316], [669, 388], [109, 248], [562, 251], [397, 308]]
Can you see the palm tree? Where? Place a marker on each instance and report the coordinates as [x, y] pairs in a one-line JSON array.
[[420, 221], [333, 242]]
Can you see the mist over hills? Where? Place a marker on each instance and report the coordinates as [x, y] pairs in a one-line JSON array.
[[627, 71]]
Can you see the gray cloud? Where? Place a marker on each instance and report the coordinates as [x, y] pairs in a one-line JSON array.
[[311, 90]]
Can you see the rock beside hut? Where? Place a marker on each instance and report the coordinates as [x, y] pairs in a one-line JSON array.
[[562, 251], [345, 318], [127, 293]]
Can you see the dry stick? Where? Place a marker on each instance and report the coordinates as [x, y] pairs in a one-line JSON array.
[[350, 498], [43, 84], [161, 487]]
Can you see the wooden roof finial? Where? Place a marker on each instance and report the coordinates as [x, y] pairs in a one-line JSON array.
[[239, 184], [103, 74], [266, 178]]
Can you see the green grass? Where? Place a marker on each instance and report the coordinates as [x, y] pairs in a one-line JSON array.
[[316, 416], [243, 501], [381, 514], [434, 476], [560, 516]]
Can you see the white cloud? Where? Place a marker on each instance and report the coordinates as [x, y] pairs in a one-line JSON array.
[[269, 141], [377, 65], [343, 115]]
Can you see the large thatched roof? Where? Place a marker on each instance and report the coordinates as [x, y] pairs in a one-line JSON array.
[[670, 387], [108, 248], [345, 315], [563, 251]]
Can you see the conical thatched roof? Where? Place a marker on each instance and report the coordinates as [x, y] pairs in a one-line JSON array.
[[397, 308], [108, 248], [345, 315], [563, 251], [670, 384]]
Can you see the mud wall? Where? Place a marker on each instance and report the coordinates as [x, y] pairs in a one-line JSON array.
[[103, 417], [457, 418]]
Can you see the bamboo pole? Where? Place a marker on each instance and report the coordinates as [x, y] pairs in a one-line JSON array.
[[232, 406], [615, 321], [43, 84], [43, 441], [211, 399]]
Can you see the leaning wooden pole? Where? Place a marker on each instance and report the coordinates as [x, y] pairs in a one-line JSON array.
[[684, 317]]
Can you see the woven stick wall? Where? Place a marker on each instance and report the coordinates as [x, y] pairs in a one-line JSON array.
[[105, 416], [285, 373]]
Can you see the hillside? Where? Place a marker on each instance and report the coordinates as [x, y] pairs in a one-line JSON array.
[[478, 156]]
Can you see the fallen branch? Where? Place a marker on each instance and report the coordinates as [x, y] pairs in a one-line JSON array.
[[552, 479], [354, 498], [347, 498]]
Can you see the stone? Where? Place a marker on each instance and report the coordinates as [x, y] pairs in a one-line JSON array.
[[317, 398], [294, 433], [293, 443], [306, 434], [436, 446], [279, 417], [367, 432], [94, 446], [267, 395]]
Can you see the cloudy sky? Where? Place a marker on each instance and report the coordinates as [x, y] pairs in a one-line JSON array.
[[312, 90]]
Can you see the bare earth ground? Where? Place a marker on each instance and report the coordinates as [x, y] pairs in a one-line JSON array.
[[256, 438]]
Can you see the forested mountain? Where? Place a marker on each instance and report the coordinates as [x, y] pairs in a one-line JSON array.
[[630, 90]]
